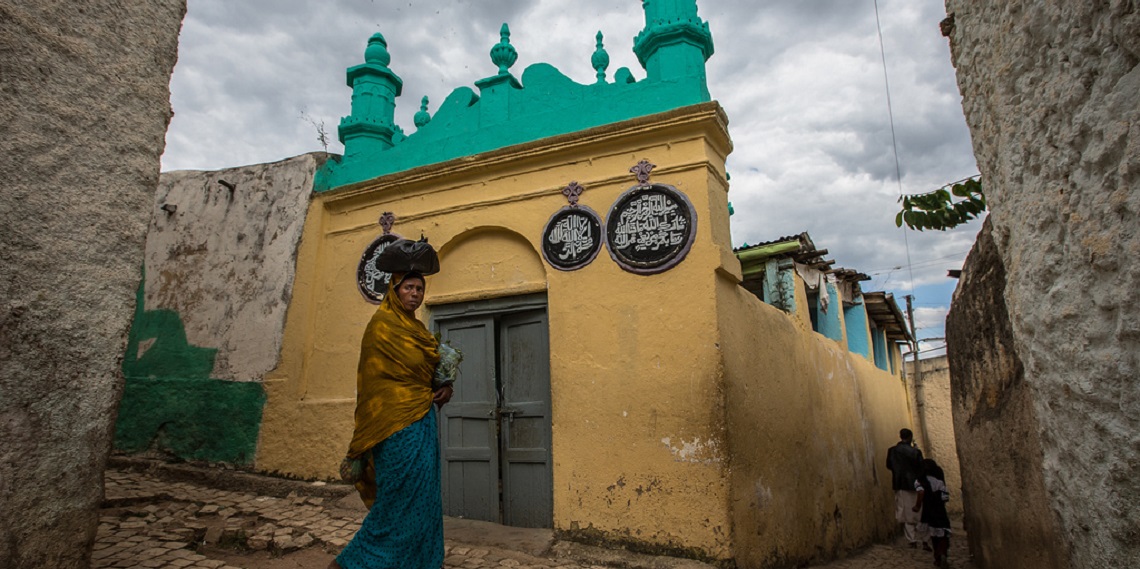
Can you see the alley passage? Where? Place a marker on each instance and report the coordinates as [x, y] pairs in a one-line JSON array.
[[152, 522]]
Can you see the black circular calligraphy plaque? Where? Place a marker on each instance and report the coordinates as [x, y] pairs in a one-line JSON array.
[[572, 238], [373, 282], [650, 228]]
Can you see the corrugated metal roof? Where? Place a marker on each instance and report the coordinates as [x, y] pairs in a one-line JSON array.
[[884, 311]]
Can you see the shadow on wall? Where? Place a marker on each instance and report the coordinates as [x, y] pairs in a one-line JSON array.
[[170, 403]]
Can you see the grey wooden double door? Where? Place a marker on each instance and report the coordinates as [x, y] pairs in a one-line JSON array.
[[495, 433]]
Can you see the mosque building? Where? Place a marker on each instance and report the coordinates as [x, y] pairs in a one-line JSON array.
[[628, 377]]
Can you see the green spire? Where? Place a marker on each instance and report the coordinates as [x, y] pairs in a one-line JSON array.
[[499, 112], [422, 117], [371, 125], [600, 60], [504, 54], [377, 50], [675, 42]]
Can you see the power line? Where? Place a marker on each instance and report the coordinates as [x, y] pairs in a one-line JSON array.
[[921, 267], [922, 262], [894, 141]]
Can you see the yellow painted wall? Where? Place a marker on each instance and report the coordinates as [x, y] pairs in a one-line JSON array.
[[636, 404], [688, 417], [809, 425]]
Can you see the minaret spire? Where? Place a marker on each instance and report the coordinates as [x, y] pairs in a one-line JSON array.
[[600, 59], [675, 42], [371, 125]]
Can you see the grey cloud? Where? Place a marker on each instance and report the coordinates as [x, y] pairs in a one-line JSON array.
[[801, 81]]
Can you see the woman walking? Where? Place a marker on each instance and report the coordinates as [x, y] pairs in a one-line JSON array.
[[932, 498], [394, 450]]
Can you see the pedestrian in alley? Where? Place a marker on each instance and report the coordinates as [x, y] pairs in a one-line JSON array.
[[931, 501], [393, 458], [904, 460]]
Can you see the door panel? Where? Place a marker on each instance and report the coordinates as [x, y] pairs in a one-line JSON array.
[[468, 430], [525, 424], [496, 432]]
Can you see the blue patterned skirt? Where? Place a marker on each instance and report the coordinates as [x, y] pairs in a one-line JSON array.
[[404, 528]]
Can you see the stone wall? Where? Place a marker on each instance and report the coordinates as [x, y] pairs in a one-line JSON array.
[[84, 101], [220, 259], [1051, 92], [224, 258], [1007, 508]]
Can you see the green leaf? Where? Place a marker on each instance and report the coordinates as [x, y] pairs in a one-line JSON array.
[[938, 209]]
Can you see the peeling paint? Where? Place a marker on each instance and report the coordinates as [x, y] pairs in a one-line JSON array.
[[763, 496], [695, 451]]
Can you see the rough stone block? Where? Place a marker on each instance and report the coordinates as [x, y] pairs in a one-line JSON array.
[[1051, 93]]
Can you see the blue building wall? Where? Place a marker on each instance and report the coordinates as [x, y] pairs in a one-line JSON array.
[[879, 343], [855, 317], [828, 323]]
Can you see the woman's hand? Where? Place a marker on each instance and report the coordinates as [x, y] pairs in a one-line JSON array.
[[442, 395]]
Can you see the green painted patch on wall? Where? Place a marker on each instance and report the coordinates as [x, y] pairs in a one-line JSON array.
[[193, 419], [171, 404]]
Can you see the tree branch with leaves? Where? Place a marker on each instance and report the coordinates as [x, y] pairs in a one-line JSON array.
[[940, 209]]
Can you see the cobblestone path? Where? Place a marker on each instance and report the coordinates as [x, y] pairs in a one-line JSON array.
[[155, 523], [898, 556]]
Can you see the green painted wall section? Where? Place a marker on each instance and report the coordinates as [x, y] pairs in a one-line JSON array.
[[171, 404], [673, 47]]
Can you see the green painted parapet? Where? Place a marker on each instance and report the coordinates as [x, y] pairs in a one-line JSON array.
[[673, 48], [171, 404]]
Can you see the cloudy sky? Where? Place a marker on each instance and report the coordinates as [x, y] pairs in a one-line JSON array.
[[802, 82]]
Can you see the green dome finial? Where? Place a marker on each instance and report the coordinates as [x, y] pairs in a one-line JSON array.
[[422, 117], [600, 60], [504, 54], [377, 50]]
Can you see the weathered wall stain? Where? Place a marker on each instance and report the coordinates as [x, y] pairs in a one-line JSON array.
[[220, 258], [224, 259], [170, 403], [995, 424]]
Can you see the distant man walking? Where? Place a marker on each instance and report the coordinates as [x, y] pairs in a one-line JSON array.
[[904, 460]]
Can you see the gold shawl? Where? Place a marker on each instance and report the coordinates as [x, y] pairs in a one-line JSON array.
[[393, 381]]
